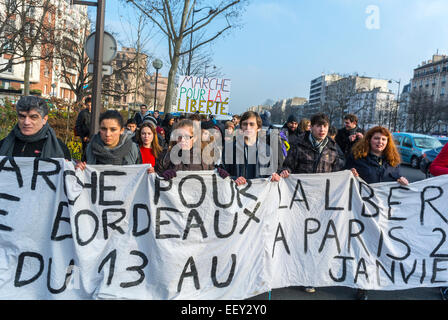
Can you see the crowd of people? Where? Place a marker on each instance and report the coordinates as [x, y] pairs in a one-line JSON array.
[[304, 146]]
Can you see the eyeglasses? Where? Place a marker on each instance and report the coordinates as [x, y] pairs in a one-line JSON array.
[[185, 137]]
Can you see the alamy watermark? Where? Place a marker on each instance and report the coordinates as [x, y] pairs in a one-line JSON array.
[[373, 19]]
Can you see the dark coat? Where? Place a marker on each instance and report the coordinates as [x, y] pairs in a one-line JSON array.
[[34, 149], [292, 136], [246, 170], [82, 125], [138, 118], [304, 158], [371, 171], [342, 139]]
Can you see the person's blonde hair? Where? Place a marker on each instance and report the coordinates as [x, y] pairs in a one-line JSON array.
[[303, 124]]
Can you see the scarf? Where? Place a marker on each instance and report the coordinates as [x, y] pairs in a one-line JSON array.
[[51, 148], [114, 156], [319, 146]]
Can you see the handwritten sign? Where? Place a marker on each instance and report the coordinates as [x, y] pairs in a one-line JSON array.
[[203, 95]]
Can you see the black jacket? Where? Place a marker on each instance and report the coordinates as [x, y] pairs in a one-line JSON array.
[[373, 169], [292, 135], [138, 118], [342, 139], [82, 125], [244, 168], [33, 149]]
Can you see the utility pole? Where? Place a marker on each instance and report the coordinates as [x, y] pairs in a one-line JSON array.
[[97, 63]]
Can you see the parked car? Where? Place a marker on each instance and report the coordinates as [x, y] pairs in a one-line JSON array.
[[412, 146], [427, 158], [443, 140]]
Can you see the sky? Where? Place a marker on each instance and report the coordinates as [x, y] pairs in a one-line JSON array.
[[283, 44]]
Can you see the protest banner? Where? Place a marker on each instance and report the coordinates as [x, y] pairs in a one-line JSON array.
[[117, 232], [210, 96]]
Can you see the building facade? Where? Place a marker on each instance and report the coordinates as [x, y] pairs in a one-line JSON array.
[[317, 92], [69, 25], [337, 95], [150, 87], [431, 77], [125, 88]]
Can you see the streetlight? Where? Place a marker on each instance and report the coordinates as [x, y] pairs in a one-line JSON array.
[[157, 64], [398, 102], [53, 85]]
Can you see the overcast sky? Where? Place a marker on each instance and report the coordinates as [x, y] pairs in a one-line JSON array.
[[284, 44]]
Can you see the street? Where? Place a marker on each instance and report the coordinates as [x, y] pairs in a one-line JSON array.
[[345, 293]]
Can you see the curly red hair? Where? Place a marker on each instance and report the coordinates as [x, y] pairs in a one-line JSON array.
[[362, 148]]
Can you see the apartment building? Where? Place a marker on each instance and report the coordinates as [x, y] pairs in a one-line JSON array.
[[48, 77], [431, 77], [317, 91], [125, 88]]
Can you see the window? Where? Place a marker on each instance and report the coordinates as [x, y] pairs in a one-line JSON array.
[[9, 70], [407, 142], [397, 140], [8, 47], [30, 11]]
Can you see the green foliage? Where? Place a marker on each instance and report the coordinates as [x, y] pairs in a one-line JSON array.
[[8, 117], [75, 148]]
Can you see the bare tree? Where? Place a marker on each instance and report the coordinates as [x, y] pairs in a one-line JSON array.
[[172, 17], [70, 51], [343, 96], [424, 111], [199, 64], [27, 32]]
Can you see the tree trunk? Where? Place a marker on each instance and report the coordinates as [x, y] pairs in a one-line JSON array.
[[170, 90], [26, 76]]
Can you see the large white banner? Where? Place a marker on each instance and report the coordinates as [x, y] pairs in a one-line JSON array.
[[119, 233]]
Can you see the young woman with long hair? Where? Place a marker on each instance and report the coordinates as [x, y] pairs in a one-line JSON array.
[[375, 158], [148, 143]]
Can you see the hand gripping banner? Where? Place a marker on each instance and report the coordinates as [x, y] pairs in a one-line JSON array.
[[112, 232]]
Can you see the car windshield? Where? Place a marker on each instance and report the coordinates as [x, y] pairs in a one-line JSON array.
[[427, 143]]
